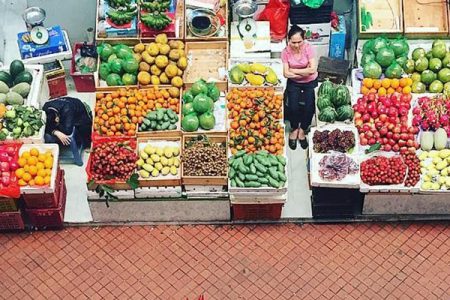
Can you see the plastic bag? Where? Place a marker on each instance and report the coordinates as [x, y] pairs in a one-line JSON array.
[[276, 12]]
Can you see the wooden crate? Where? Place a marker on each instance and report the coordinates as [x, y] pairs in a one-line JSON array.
[[387, 17], [204, 180], [206, 60], [161, 181], [223, 11], [425, 19]]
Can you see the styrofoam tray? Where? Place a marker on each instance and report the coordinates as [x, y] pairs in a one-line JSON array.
[[365, 188], [275, 63], [331, 127], [351, 181], [160, 144], [42, 148]]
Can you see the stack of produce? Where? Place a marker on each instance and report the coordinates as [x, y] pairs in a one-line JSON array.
[[19, 121], [255, 74], [154, 13], [334, 103], [112, 160], [119, 65], [121, 12], [438, 139], [383, 120], [386, 86], [256, 120], [337, 166], [336, 140], [383, 55], [8, 167], [201, 157], [435, 169], [35, 168], [198, 106], [15, 85], [158, 161], [412, 162], [255, 170], [161, 62], [432, 113], [381, 170], [119, 113], [430, 70], [161, 119]]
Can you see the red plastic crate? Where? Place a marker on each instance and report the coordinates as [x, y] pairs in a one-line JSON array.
[[45, 200], [271, 211], [11, 221], [57, 86], [8, 204], [84, 83], [44, 218]]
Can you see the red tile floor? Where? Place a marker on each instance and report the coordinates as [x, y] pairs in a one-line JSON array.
[[358, 261]]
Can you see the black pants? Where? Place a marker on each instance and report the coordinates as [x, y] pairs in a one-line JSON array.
[[300, 103]]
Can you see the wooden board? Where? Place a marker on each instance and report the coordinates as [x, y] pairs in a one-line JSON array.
[[207, 59], [204, 180], [387, 16], [425, 19]]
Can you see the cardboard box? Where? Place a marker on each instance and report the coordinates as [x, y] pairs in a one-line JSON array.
[[337, 40], [55, 44]]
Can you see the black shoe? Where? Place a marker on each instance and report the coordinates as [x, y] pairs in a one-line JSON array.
[[292, 144], [304, 143]]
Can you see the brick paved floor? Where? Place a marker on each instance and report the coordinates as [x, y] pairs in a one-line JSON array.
[[229, 262]]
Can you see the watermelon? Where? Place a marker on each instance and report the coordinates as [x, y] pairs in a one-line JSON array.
[[341, 96], [6, 78], [323, 102], [328, 115], [326, 88], [344, 113], [16, 67]]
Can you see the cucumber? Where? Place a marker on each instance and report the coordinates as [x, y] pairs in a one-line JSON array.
[[237, 162], [273, 173], [251, 177], [281, 176], [239, 153], [273, 183], [260, 174], [165, 125], [252, 184], [263, 180], [273, 161], [252, 169], [280, 168], [232, 173], [151, 115], [233, 183], [281, 159], [263, 153], [243, 168], [241, 176], [239, 183], [260, 167], [263, 160], [166, 118], [248, 159], [172, 127]]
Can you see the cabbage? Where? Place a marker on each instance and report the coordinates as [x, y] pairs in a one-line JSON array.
[[394, 71], [379, 43], [401, 60], [385, 57], [367, 47], [372, 70]]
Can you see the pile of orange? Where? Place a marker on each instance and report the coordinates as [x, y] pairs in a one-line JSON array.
[[35, 168], [120, 112], [386, 86]]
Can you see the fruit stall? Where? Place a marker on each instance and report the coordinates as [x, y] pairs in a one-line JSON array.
[[184, 132]]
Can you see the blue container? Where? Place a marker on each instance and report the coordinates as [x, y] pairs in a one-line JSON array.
[[55, 44], [337, 40]]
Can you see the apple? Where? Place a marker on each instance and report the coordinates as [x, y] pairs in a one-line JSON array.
[[395, 148], [387, 147]]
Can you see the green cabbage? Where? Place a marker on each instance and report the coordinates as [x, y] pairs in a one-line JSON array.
[[385, 57], [372, 70]]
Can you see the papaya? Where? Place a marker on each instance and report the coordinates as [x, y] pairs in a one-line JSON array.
[[254, 79], [236, 75]]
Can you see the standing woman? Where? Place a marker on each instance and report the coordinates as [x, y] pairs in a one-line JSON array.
[[300, 69]]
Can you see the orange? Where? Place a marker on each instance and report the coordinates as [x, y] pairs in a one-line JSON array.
[[20, 172], [364, 90], [22, 161], [34, 152], [42, 173], [409, 81], [390, 91], [40, 165], [407, 89], [39, 180], [368, 82], [399, 90], [26, 168], [386, 83], [31, 182], [395, 83], [48, 171], [404, 82], [26, 177], [41, 157], [33, 170], [32, 161], [47, 179], [21, 182], [381, 91], [377, 84], [26, 155]]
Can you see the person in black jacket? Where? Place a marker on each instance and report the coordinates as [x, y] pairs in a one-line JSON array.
[[63, 115]]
